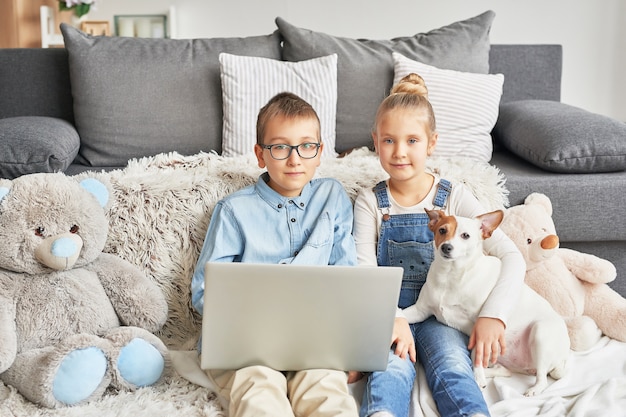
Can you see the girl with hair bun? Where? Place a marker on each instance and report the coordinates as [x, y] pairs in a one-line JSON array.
[[391, 229]]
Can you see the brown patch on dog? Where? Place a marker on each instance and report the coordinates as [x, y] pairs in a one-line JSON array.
[[442, 226]]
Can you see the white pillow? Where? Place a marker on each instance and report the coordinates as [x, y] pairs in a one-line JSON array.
[[465, 105], [248, 83]]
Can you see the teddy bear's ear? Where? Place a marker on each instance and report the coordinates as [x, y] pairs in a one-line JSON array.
[[98, 189], [3, 192], [540, 199], [5, 187]]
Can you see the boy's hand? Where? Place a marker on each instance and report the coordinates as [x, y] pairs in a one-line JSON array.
[[354, 376], [487, 339], [402, 338]]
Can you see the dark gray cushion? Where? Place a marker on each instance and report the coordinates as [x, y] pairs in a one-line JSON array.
[[561, 138], [33, 144], [137, 97], [365, 67]]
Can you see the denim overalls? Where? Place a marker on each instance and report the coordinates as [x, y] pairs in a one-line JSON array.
[[405, 240]]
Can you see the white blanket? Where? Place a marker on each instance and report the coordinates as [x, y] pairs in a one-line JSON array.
[[594, 386]]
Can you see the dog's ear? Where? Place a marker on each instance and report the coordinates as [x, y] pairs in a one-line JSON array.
[[489, 222], [434, 216]]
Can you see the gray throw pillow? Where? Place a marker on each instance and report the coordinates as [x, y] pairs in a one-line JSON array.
[[32, 144], [561, 138], [136, 97], [365, 67]]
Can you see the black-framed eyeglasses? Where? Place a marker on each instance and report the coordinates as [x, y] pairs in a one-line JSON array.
[[306, 150]]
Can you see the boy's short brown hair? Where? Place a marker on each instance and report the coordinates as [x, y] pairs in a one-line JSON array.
[[285, 104]]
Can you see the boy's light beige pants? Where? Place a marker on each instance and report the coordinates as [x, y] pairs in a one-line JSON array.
[[260, 391]]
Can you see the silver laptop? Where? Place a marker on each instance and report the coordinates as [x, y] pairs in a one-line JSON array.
[[294, 317]]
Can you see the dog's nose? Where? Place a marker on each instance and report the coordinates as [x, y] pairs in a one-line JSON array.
[[446, 248]]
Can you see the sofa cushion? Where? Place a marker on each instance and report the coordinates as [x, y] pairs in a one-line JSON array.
[[31, 144], [562, 138], [248, 83], [135, 97], [465, 106], [365, 66]]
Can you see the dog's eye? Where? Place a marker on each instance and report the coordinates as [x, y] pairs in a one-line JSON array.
[[442, 230], [40, 231], [465, 236], [529, 241]]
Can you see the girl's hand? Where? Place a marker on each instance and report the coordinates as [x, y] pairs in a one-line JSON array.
[[402, 338], [487, 340]]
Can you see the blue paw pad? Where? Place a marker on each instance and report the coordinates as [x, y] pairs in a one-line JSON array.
[[79, 374], [140, 363]]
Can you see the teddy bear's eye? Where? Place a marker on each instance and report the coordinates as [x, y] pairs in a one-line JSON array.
[[529, 241], [39, 231], [74, 229]]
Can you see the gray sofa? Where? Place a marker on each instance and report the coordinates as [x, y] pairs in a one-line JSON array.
[[541, 145]]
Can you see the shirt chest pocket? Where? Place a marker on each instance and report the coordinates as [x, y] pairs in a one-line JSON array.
[[322, 233]]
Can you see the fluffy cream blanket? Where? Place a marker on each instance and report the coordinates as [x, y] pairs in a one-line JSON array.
[[163, 205], [158, 219]]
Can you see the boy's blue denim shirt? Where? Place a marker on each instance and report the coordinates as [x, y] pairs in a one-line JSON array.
[[258, 225]]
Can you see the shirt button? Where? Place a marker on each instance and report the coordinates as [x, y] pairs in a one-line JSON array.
[[301, 204], [290, 201], [293, 220], [280, 206]]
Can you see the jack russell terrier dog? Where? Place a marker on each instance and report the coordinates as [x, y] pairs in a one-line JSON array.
[[458, 283]]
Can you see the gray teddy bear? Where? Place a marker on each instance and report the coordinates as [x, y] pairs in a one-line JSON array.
[[74, 321]]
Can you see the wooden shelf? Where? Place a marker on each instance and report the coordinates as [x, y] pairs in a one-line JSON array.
[[21, 23]]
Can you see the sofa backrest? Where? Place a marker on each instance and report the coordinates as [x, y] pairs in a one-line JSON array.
[[36, 82], [530, 71]]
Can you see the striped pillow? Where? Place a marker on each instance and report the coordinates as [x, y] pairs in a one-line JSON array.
[[465, 104], [248, 83]]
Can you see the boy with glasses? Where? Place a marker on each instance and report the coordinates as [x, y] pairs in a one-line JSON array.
[[286, 217]]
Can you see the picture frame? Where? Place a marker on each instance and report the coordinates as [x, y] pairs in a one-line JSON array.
[[141, 25], [96, 27]]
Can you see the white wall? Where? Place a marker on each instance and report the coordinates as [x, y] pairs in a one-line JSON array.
[[593, 33]]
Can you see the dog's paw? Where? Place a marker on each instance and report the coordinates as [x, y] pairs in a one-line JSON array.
[[497, 370], [479, 376], [538, 388]]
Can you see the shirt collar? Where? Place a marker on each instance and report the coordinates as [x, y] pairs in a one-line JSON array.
[[277, 201]]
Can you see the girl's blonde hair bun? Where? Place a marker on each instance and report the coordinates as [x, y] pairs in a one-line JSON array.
[[411, 84]]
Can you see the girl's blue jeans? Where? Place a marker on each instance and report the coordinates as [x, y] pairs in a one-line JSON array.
[[443, 353]]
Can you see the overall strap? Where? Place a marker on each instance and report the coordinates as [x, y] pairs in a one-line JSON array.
[[443, 191], [380, 191]]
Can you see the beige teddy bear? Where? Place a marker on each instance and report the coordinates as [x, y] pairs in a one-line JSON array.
[[73, 320], [573, 282]]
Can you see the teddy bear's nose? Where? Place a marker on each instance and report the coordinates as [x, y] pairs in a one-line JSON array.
[[63, 247], [59, 252], [550, 242]]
